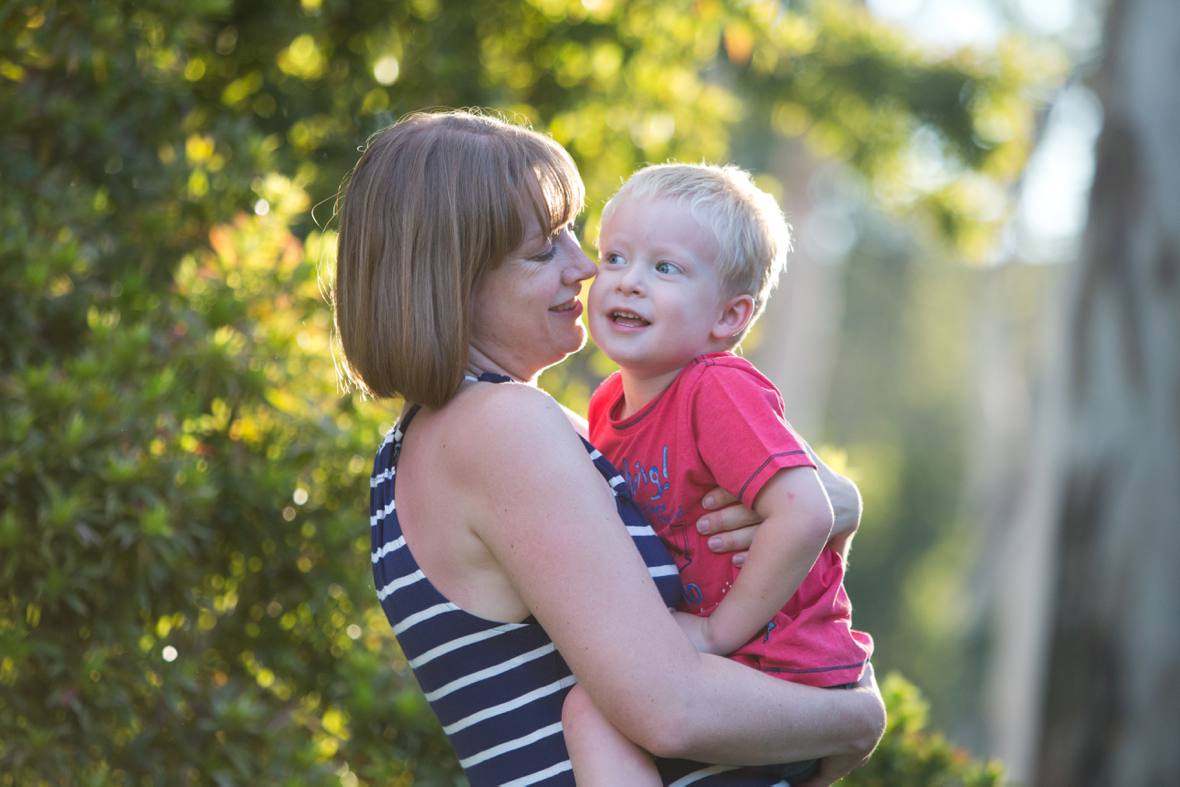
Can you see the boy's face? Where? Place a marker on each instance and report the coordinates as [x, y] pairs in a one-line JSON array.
[[657, 301]]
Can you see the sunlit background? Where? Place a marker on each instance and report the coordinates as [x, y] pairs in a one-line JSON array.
[[184, 580]]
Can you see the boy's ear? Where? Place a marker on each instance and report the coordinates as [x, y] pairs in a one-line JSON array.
[[735, 316]]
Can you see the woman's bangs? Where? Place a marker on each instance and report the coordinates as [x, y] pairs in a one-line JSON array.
[[556, 194]]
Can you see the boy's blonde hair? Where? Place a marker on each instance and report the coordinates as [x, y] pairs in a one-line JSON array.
[[436, 201], [748, 224]]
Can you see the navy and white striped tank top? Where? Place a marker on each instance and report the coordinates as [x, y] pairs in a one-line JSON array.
[[497, 688]]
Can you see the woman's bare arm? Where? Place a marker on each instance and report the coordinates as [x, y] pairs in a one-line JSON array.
[[550, 521], [837, 767], [846, 502]]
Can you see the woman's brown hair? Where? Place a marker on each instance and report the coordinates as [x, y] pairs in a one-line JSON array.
[[435, 201]]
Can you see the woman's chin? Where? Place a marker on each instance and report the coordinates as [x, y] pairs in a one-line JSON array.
[[576, 342], [573, 344]]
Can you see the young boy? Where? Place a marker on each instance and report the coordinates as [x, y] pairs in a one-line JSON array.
[[688, 256]]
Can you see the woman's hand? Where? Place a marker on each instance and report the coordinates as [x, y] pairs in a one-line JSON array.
[[836, 767], [729, 524]]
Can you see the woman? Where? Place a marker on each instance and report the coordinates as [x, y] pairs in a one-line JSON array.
[[501, 561]]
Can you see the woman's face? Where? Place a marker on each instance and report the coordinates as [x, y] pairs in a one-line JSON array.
[[527, 312]]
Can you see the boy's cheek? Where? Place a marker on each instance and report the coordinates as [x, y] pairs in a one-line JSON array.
[[592, 296], [589, 316]]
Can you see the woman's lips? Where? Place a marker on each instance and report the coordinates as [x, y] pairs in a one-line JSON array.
[[572, 307]]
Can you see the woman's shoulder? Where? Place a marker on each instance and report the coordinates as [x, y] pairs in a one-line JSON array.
[[498, 421], [514, 403]]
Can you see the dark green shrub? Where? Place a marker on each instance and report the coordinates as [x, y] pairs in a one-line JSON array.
[[909, 754]]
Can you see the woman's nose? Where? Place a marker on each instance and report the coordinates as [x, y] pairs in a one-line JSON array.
[[580, 267]]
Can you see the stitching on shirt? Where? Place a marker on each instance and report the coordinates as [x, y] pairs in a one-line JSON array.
[[762, 466]]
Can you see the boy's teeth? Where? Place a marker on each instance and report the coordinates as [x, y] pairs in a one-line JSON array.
[[627, 317]]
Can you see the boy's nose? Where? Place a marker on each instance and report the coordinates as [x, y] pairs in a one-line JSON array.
[[632, 280]]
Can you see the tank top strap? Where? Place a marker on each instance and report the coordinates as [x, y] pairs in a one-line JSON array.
[[488, 377], [399, 430]]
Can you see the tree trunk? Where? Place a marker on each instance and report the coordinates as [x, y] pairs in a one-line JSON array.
[[1112, 707], [1012, 488]]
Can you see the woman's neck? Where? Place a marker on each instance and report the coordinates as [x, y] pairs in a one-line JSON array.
[[478, 363]]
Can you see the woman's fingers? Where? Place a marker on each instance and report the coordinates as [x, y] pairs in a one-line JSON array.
[[729, 525], [718, 498], [735, 541]]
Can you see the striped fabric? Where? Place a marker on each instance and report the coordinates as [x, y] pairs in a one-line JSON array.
[[497, 688]]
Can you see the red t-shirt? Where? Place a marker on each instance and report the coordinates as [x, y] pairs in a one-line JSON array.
[[721, 423]]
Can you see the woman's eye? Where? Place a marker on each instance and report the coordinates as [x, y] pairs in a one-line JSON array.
[[554, 240], [546, 255]]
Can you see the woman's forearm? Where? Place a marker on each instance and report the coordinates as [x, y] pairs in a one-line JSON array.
[[736, 715]]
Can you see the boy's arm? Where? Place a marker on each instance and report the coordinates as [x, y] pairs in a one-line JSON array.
[[797, 523]]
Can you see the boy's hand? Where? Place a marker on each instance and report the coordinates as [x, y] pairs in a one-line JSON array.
[[693, 627], [729, 524]]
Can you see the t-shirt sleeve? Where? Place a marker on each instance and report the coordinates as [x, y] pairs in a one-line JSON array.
[[598, 413], [742, 432]]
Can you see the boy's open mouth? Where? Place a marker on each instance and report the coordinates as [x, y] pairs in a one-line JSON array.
[[626, 318]]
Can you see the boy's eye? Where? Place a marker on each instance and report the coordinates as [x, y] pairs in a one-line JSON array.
[[666, 267], [613, 259]]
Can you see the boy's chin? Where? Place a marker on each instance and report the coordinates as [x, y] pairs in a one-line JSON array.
[[615, 358], [596, 335]]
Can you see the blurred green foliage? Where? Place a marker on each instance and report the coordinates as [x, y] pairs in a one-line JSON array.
[[903, 418], [184, 574], [911, 754]]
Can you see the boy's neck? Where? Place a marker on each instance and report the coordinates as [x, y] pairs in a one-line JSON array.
[[640, 388]]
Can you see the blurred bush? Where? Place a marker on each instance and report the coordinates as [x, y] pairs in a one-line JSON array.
[[910, 754], [185, 592], [185, 587]]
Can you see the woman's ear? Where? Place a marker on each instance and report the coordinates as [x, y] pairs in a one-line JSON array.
[[735, 316]]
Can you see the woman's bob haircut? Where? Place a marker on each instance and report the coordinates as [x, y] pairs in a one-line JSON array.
[[435, 201]]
